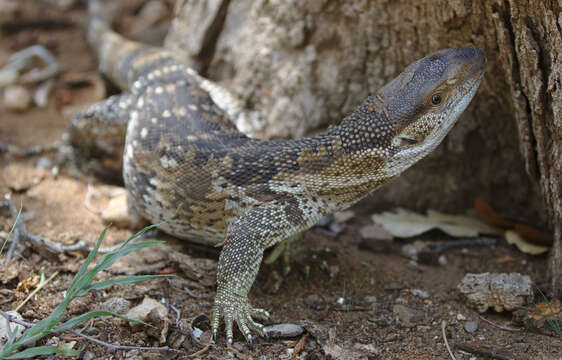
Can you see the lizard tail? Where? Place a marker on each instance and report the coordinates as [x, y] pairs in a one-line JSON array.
[[109, 47]]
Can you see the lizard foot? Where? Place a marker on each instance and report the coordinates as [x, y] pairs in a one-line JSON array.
[[238, 309]]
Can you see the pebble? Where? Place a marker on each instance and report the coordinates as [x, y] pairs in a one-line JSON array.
[[44, 163], [461, 317], [117, 305], [17, 98], [344, 216], [116, 212], [141, 312], [442, 260], [196, 333], [88, 355], [264, 357], [420, 293], [500, 292], [407, 315], [471, 326], [239, 345], [284, 330], [375, 231]]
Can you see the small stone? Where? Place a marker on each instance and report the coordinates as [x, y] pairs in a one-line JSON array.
[[498, 291], [407, 315], [284, 330], [117, 305], [196, 333], [461, 317], [44, 163], [344, 216], [325, 221], [17, 98], [374, 231], [337, 227], [239, 345], [471, 326], [263, 357], [116, 212], [420, 293], [340, 301], [442, 260], [142, 311], [367, 348], [88, 355]]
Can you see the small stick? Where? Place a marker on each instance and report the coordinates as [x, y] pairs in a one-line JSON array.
[[36, 290], [300, 345], [443, 325], [14, 231], [497, 325], [495, 354], [200, 352], [22, 232]]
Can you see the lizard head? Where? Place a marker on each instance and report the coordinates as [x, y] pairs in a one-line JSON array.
[[410, 116]]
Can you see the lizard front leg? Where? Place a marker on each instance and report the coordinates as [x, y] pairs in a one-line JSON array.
[[248, 237]]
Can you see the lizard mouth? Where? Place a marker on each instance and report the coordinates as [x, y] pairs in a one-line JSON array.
[[407, 140]]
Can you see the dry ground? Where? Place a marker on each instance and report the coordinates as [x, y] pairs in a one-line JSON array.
[[370, 283]]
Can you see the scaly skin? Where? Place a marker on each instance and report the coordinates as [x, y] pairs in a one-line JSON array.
[[187, 166]]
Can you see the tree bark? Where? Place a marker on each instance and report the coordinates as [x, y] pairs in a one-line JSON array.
[[306, 64]]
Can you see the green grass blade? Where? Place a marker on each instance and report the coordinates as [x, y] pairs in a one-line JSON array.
[[43, 350], [12, 229], [110, 259], [90, 315], [86, 262], [125, 280]]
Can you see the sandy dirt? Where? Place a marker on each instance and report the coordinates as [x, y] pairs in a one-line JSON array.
[[348, 314]]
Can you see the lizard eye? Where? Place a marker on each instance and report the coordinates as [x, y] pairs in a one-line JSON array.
[[436, 99]]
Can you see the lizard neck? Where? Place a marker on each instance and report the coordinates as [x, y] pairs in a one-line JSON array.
[[339, 167]]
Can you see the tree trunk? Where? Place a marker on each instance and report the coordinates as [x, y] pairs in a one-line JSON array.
[[306, 64]]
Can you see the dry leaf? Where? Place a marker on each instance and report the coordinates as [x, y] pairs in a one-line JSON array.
[[404, 223], [532, 234], [489, 216], [546, 310], [28, 283], [515, 239]]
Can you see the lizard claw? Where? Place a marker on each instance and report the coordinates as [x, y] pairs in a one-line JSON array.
[[237, 309]]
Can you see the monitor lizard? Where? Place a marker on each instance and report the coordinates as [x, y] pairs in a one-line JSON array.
[[187, 167]]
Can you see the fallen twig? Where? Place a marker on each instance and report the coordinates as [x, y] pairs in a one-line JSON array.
[[443, 325], [200, 352], [492, 353], [21, 232], [300, 345], [497, 325]]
